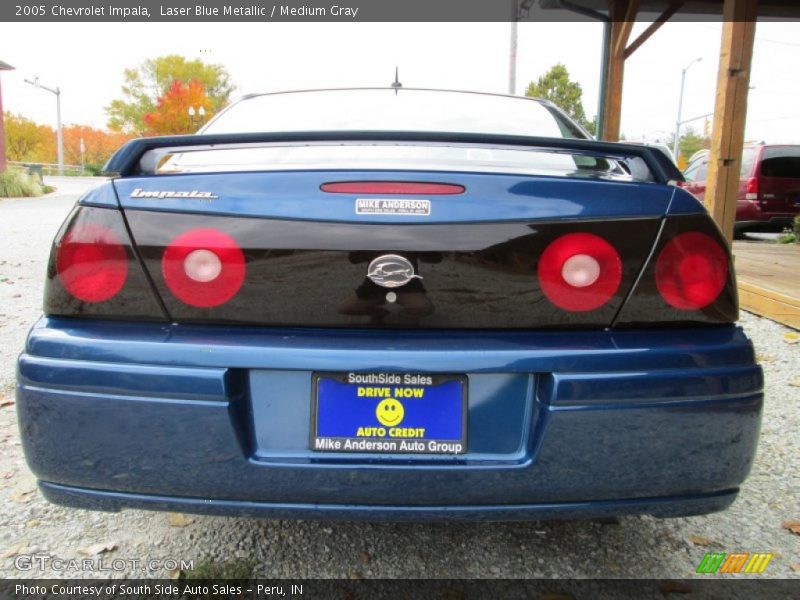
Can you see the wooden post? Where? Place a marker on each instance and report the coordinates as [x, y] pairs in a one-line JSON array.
[[2, 135], [730, 111], [623, 14]]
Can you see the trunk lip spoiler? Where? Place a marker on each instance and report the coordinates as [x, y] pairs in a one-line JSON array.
[[126, 162]]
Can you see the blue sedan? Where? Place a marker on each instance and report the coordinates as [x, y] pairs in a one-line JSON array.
[[392, 304]]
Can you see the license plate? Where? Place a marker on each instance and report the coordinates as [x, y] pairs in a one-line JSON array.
[[389, 413]]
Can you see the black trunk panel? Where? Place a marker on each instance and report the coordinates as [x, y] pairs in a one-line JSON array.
[[313, 274]]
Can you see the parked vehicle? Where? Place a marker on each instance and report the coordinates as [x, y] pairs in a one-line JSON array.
[[769, 188], [390, 304], [660, 146]]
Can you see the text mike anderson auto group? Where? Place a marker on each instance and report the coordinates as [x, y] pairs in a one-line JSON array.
[[201, 10]]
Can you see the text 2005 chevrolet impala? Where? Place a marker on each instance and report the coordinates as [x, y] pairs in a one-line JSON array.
[[390, 304]]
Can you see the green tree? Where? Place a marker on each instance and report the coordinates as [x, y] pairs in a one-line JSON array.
[[151, 80], [690, 142], [556, 86]]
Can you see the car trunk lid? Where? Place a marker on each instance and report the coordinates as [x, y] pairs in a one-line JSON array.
[[307, 252]]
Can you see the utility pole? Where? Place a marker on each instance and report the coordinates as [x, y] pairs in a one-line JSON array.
[[512, 58], [676, 142], [3, 67], [59, 132]]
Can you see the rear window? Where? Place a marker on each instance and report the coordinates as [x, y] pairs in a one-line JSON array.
[[748, 158], [783, 162], [697, 171], [393, 110], [404, 110]]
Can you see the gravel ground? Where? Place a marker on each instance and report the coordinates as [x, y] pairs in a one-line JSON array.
[[634, 547]]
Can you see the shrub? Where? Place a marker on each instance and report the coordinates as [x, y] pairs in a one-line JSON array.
[[797, 227], [93, 169], [18, 183]]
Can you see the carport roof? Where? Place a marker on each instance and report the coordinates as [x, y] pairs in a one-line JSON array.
[[766, 8]]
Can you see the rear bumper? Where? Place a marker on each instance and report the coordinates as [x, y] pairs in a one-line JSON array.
[[669, 506], [215, 419], [767, 222]]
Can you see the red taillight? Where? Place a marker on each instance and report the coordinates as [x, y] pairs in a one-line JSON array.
[[691, 271], [392, 187], [203, 267], [92, 263], [751, 189], [580, 272]]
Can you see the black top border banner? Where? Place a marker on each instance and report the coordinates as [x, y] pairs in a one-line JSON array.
[[254, 11]]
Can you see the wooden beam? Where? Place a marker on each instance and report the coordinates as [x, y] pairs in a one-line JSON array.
[[769, 303], [623, 14], [653, 27], [2, 136], [730, 111]]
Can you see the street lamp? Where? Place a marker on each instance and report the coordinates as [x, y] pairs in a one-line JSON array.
[[197, 116], [675, 145], [59, 134]]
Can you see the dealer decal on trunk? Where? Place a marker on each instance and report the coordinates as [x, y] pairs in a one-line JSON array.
[[393, 206]]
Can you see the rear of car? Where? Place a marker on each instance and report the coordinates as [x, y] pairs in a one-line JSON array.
[[390, 304], [769, 188]]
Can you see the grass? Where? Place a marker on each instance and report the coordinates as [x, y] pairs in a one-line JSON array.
[[18, 183], [793, 235]]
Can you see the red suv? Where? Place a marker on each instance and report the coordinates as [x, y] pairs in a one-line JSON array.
[[769, 188]]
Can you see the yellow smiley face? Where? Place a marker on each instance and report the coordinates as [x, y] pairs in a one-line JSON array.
[[389, 412]]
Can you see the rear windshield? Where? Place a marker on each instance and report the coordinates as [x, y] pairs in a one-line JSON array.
[[782, 162], [748, 158], [393, 110]]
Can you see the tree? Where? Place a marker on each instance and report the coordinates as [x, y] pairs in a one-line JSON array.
[[26, 141], [171, 114], [555, 85], [98, 146], [152, 79], [690, 142]]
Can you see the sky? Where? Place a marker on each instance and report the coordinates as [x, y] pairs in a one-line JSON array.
[[86, 60]]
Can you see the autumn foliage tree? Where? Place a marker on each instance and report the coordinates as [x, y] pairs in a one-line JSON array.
[[153, 79], [171, 114], [98, 146], [27, 141]]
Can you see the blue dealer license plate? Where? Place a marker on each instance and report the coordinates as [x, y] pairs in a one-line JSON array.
[[389, 413]]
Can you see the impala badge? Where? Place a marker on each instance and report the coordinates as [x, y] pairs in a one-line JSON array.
[[391, 271], [161, 194]]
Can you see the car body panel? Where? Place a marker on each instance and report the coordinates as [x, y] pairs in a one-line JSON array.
[[297, 195], [553, 417]]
